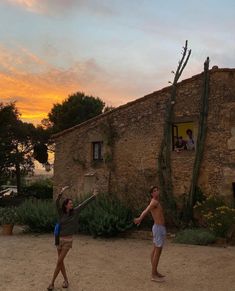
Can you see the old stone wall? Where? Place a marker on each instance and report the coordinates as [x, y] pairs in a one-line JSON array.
[[129, 167]]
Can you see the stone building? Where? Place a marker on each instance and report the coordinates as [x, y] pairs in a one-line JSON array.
[[118, 151]]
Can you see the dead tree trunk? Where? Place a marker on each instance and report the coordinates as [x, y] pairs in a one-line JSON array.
[[18, 172], [164, 158], [202, 130]]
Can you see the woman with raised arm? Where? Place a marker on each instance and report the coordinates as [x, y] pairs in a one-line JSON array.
[[68, 222]]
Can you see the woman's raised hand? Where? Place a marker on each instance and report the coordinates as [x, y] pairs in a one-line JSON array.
[[95, 192], [63, 189]]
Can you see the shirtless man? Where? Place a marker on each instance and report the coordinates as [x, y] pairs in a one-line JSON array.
[[159, 231]]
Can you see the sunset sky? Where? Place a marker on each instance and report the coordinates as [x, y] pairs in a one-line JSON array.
[[118, 50]]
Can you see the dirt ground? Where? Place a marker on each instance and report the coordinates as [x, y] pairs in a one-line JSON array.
[[27, 263]]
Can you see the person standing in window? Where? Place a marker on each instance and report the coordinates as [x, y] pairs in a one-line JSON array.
[[190, 141]]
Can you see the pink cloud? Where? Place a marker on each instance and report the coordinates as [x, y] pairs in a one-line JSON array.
[[30, 5], [55, 7]]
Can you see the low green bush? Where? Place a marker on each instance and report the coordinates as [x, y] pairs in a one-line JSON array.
[[42, 189], [106, 216], [37, 215], [195, 236]]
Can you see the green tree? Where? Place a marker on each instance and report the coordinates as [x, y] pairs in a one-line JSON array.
[[75, 109], [17, 140]]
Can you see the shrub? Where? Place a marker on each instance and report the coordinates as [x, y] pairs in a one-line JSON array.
[[8, 215], [184, 210], [196, 236], [216, 215], [42, 189], [106, 216], [37, 215]]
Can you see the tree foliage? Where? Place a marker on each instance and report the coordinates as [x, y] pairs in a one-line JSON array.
[[14, 142], [17, 139], [75, 109]]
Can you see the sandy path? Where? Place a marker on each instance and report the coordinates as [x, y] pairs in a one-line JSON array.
[[27, 262]]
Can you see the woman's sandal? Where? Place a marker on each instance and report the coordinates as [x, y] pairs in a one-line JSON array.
[[65, 284], [50, 287]]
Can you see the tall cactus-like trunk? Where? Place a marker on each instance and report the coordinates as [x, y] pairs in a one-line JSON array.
[[202, 130], [164, 158]]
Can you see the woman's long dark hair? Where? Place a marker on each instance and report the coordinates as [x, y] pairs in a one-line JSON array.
[[64, 204]]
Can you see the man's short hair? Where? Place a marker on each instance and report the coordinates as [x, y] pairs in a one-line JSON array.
[[152, 188]]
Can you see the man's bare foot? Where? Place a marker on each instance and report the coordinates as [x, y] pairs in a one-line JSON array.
[[50, 287], [160, 275], [157, 279]]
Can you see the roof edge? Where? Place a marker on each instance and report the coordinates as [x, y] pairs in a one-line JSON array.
[[103, 115]]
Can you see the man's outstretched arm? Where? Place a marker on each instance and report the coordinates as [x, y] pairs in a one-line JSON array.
[[139, 219]]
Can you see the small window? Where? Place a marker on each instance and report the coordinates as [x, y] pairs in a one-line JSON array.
[[97, 150], [183, 136]]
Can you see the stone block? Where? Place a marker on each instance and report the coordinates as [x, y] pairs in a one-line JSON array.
[[231, 143]]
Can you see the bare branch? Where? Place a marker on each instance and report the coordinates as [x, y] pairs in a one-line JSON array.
[[181, 62], [184, 65]]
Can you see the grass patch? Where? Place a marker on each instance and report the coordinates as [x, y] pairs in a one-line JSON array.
[[195, 236]]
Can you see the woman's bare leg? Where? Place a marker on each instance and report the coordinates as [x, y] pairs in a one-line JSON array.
[[60, 261], [62, 269]]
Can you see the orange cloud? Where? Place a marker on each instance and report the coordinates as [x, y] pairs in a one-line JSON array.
[[31, 82], [36, 85]]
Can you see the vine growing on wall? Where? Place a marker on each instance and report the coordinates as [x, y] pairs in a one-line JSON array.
[[110, 137], [164, 158], [79, 160]]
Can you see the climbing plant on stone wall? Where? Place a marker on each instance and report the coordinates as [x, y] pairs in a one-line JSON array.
[[164, 158], [110, 137]]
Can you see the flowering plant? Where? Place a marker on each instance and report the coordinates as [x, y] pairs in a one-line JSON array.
[[216, 215]]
